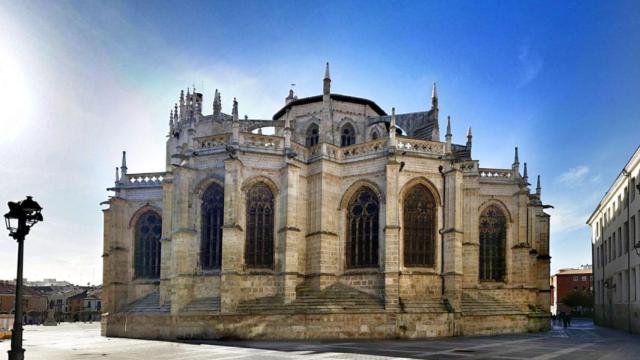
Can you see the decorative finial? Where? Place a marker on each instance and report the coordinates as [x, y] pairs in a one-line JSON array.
[[217, 106], [234, 111], [123, 167], [448, 135], [538, 187], [434, 97], [181, 97], [525, 176], [469, 137], [516, 161], [117, 175], [326, 89]]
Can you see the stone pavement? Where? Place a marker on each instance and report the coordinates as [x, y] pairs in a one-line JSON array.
[[582, 341]]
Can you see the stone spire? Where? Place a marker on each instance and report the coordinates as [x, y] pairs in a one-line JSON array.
[[117, 175], [183, 111], [123, 167], [448, 137], [525, 176], [234, 111], [235, 127], [469, 138], [538, 187], [434, 97], [392, 128], [291, 97], [181, 97], [170, 120], [326, 90], [516, 164], [217, 106]]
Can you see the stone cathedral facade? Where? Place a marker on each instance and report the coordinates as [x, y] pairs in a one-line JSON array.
[[344, 222]]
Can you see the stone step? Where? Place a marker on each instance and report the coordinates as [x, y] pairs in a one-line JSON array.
[[147, 304], [207, 304]]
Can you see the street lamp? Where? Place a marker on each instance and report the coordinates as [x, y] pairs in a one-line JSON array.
[[20, 218]]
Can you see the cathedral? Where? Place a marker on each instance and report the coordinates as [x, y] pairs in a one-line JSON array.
[[332, 219]]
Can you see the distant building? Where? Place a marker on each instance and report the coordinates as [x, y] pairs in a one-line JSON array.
[[567, 280], [615, 246], [34, 303]]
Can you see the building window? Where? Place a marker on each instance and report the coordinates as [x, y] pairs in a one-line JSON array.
[[632, 231], [575, 278], [347, 135], [619, 241], [374, 135], [613, 244], [362, 230], [493, 235], [632, 193], [147, 246], [419, 227], [212, 212], [312, 135], [626, 237], [260, 218]]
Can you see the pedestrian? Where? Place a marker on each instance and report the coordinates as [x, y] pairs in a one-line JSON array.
[[569, 319], [563, 318]]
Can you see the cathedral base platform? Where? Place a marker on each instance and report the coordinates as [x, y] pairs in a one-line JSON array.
[[383, 325]]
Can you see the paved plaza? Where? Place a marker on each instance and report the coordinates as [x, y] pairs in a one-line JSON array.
[[583, 341]]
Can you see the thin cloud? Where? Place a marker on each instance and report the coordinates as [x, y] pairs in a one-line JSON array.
[[531, 64], [575, 175]]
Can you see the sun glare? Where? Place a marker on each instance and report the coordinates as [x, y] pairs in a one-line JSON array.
[[14, 98]]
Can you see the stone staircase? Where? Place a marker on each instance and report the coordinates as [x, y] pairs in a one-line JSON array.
[[203, 305], [422, 306], [484, 304], [335, 298], [148, 304]]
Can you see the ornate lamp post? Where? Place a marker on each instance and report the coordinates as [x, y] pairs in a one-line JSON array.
[[20, 218]]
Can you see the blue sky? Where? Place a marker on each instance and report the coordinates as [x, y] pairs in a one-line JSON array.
[[82, 80]]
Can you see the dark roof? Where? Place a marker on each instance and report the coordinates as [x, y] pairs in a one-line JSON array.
[[9, 289], [318, 98]]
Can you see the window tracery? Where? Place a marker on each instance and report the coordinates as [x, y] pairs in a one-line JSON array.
[[419, 227], [148, 231], [260, 224], [493, 234], [212, 215], [362, 231]]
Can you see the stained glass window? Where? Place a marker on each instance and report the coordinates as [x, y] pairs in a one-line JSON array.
[[260, 218], [419, 227], [493, 236], [312, 135], [147, 246], [212, 211], [362, 231], [348, 135]]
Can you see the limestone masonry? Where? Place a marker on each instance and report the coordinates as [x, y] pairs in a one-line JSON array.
[[346, 222]]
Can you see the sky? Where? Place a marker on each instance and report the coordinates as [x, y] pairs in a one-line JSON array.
[[80, 81]]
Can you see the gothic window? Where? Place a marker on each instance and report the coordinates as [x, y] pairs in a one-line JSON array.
[[312, 135], [362, 230], [147, 246], [419, 227], [347, 135], [259, 246], [212, 211], [493, 237], [374, 135]]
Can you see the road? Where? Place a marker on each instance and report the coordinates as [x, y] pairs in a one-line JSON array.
[[583, 341]]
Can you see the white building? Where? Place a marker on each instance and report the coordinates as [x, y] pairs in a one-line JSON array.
[[615, 248]]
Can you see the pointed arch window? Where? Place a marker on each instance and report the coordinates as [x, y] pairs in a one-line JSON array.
[[212, 214], [147, 245], [313, 135], [493, 236], [374, 135], [362, 231], [260, 218], [347, 135], [419, 227]]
